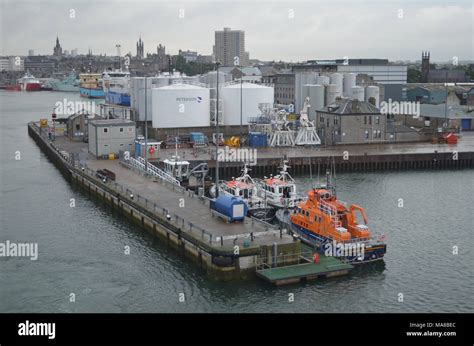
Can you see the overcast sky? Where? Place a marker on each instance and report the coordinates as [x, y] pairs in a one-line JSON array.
[[286, 30]]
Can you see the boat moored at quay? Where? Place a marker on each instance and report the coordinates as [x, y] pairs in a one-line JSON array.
[[116, 86], [332, 227], [91, 85]]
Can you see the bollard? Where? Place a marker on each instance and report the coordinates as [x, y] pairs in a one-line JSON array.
[[222, 241], [251, 236]]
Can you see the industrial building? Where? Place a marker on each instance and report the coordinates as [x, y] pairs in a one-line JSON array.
[[458, 95], [325, 88], [348, 121], [180, 105], [110, 136]]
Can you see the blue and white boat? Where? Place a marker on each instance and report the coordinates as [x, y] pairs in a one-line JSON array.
[[116, 85]]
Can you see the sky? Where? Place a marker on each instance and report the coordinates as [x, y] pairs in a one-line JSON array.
[[275, 30]]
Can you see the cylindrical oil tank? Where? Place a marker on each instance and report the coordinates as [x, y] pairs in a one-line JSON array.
[[210, 79], [337, 79], [180, 105], [357, 93], [372, 95], [322, 80], [349, 82], [232, 207], [252, 96], [332, 92], [316, 99], [137, 96]]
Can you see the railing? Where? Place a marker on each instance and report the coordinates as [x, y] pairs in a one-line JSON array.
[[332, 212], [269, 262], [139, 163], [176, 220]]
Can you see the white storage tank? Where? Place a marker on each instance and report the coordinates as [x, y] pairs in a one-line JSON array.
[[332, 92], [316, 99], [137, 97], [322, 80], [349, 82], [252, 96], [210, 79], [337, 79], [357, 93], [180, 105], [372, 95]]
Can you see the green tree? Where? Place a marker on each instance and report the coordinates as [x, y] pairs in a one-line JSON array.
[[413, 75]]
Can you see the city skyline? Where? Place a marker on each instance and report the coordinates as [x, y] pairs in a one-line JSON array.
[[274, 31]]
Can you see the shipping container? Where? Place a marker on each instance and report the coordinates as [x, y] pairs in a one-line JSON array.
[[233, 208]]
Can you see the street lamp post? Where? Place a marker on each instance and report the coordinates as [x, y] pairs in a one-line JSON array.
[[241, 78], [217, 130], [146, 128]]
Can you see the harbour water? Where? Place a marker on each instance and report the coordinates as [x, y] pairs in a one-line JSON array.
[[81, 248]]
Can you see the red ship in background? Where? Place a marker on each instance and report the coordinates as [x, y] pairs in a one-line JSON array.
[[26, 83]]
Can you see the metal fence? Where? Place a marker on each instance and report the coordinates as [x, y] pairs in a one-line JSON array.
[[269, 262], [154, 208]]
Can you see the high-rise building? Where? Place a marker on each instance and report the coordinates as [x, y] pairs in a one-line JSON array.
[[229, 48]]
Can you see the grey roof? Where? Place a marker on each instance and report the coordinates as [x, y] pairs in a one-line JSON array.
[[438, 87], [346, 106], [268, 70], [247, 71], [439, 111]]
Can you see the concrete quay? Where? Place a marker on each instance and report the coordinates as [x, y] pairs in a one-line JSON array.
[[177, 216]]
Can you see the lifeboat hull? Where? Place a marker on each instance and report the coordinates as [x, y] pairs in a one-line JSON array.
[[373, 251]]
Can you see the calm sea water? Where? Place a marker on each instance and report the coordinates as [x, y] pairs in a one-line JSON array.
[[81, 249]]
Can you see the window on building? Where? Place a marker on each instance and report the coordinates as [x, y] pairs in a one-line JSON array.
[[366, 134], [106, 130], [377, 120], [121, 129], [370, 120], [78, 127], [327, 122], [365, 119]]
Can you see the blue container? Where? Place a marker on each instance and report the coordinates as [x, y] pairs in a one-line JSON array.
[[138, 148], [234, 208], [257, 140], [198, 137]]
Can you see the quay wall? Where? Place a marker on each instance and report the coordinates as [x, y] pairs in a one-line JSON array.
[[355, 163], [219, 262]]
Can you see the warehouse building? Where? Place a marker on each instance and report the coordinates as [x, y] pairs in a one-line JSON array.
[[110, 136]]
